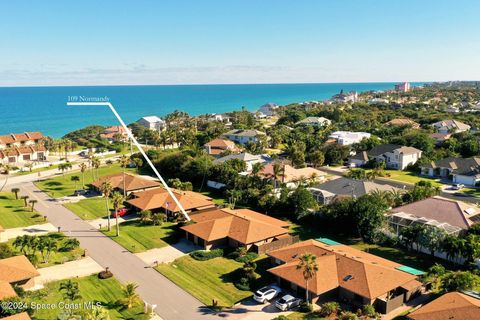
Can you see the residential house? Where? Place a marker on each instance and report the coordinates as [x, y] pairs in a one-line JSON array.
[[17, 149], [376, 101], [248, 158], [459, 170], [220, 228], [292, 176], [314, 122], [16, 271], [450, 306], [440, 137], [345, 274], [346, 138], [268, 109], [242, 136], [452, 216], [18, 316], [452, 109], [450, 126], [394, 156], [403, 87], [115, 133], [152, 123], [218, 146], [133, 183], [329, 191], [400, 122], [343, 97], [159, 200]]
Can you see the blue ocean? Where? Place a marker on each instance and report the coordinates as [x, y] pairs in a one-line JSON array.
[[44, 108]]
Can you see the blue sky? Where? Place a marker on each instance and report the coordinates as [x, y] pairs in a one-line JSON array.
[[249, 41]]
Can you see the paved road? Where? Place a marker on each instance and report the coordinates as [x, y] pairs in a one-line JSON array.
[[173, 303]]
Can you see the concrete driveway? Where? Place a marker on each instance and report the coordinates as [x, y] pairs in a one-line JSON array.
[[34, 230], [167, 254], [78, 268]]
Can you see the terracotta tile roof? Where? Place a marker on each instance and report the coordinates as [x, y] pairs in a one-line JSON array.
[[160, 198], [132, 182], [440, 209], [220, 143], [16, 151], [6, 290], [16, 269], [450, 306], [18, 316], [357, 271], [292, 174], [244, 227], [20, 137], [253, 215]]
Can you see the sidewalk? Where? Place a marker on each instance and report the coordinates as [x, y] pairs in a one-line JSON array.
[[78, 268], [167, 254], [35, 230]]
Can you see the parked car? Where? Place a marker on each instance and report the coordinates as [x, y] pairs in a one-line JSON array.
[[287, 302], [121, 212], [458, 186], [80, 192], [266, 293]]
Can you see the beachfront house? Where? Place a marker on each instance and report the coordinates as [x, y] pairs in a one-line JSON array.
[[393, 156], [457, 170], [152, 123], [21, 148]]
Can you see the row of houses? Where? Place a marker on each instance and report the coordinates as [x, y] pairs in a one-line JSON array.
[[20, 148]]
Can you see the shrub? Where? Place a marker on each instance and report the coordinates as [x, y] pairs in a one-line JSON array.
[[329, 308], [282, 317], [203, 255], [5, 251], [247, 258], [348, 315], [369, 310], [306, 307], [243, 284]]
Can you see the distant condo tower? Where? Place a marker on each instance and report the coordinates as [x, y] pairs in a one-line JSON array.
[[403, 87]]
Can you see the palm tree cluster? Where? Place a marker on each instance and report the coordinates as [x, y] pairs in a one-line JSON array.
[[31, 245]]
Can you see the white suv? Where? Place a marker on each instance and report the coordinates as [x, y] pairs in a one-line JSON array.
[[287, 302], [266, 293]]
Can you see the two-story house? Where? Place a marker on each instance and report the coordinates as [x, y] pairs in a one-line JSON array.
[[394, 156], [242, 136], [152, 123], [22, 147]]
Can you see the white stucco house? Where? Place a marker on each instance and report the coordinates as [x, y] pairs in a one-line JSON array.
[[394, 156], [242, 136], [152, 123], [314, 122], [346, 138]]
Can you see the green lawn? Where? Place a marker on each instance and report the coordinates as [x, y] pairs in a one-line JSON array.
[[136, 237], [216, 196], [206, 280], [409, 177], [107, 292], [61, 185], [58, 256], [21, 173], [474, 192], [304, 316], [89, 209], [13, 214]]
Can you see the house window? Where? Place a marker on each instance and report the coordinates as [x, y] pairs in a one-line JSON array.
[[11, 159], [26, 157]]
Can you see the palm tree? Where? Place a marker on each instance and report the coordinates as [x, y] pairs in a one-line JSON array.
[[308, 265], [124, 162], [46, 245], [83, 168], [130, 294], [71, 291], [25, 199], [32, 203], [75, 179], [15, 191], [278, 172], [117, 200], [145, 216], [6, 170], [96, 164], [106, 188]]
